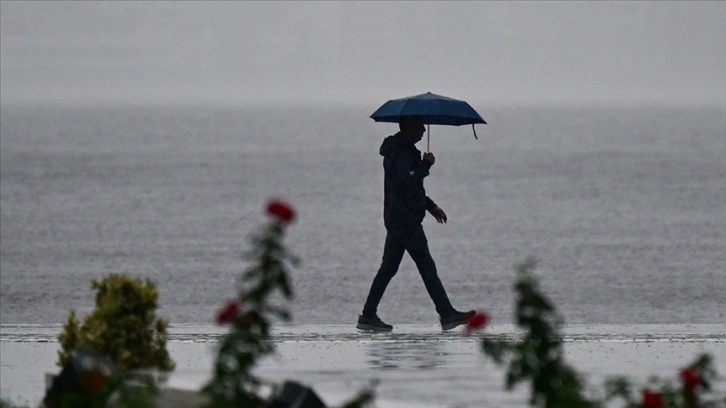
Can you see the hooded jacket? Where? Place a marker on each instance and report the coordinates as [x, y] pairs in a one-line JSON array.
[[405, 201]]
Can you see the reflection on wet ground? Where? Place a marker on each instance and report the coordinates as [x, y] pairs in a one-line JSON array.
[[406, 355], [411, 333], [416, 366]]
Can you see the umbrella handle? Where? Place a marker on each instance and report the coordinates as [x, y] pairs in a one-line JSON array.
[[428, 138]]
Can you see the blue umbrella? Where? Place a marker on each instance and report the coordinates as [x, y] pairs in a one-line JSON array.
[[435, 110]]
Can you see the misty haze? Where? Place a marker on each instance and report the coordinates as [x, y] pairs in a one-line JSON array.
[[350, 52]]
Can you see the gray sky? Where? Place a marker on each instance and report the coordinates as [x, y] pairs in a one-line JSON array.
[[487, 52]]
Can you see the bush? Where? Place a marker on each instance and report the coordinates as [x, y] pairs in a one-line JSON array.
[[123, 326]]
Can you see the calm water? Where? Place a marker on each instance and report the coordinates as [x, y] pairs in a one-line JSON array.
[[625, 209]]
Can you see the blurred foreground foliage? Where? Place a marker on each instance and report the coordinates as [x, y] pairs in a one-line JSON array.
[[250, 316], [539, 359], [233, 384], [123, 326]]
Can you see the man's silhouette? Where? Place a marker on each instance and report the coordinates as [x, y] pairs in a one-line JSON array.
[[405, 205]]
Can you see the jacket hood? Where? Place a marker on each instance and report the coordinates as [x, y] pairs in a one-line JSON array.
[[392, 144]]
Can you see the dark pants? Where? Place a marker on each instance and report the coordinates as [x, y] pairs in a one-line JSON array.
[[411, 239]]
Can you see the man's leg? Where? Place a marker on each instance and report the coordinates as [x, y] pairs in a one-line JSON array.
[[392, 256], [418, 247]]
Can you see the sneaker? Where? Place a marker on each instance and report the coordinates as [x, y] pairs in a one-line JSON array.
[[372, 324], [455, 319]]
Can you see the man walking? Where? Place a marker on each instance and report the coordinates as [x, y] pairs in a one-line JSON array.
[[404, 207]]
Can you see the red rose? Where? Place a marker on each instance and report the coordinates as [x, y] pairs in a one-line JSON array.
[[229, 312], [691, 379], [477, 321], [652, 399], [281, 211]]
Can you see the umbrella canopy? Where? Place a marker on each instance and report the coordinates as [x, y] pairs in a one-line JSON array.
[[435, 110]]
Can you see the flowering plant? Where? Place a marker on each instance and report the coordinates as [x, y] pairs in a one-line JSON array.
[[539, 358], [695, 384], [249, 316]]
